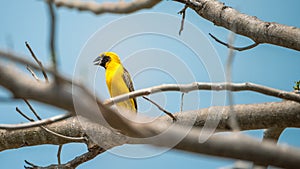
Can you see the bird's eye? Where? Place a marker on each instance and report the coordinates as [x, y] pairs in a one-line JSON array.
[[105, 59]]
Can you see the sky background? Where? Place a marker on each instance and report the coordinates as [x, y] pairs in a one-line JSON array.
[[81, 37]]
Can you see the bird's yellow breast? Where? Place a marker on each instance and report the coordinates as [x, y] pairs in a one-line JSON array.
[[116, 84], [114, 81]]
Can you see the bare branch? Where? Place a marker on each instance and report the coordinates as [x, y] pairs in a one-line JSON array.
[[161, 109], [240, 147], [52, 34], [119, 7], [24, 87], [272, 135], [20, 59], [22, 114], [170, 87], [58, 154], [233, 47], [235, 87], [37, 61], [92, 153], [35, 123], [32, 110], [249, 26], [72, 139], [32, 166], [250, 117], [221, 145], [50, 131], [182, 12], [11, 139], [181, 102], [33, 74], [75, 139]]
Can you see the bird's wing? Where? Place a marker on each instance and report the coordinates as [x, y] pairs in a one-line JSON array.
[[127, 79]]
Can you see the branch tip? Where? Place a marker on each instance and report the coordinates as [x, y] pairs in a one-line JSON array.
[[233, 47]]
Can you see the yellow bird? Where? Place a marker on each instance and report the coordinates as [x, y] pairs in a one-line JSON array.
[[118, 79]]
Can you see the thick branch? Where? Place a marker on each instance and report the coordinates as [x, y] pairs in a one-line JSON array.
[[36, 136], [250, 26], [239, 147], [24, 87], [119, 7], [20, 59], [252, 116]]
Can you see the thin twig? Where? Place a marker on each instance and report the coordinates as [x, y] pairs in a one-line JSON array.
[[20, 59], [50, 131], [35, 123], [46, 129], [52, 35], [24, 115], [37, 61], [233, 47], [182, 12], [30, 164], [32, 73], [161, 109], [182, 99], [92, 153], [32, 110], [75, 139], [58, 154]]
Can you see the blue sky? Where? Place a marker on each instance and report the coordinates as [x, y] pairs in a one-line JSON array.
[[266, 64]]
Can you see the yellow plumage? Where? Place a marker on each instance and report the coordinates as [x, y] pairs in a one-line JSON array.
[[118, 80]]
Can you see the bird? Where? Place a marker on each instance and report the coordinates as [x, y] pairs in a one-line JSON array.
[[118, 79]]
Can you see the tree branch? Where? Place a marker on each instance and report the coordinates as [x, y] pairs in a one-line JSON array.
[[161, 109], [52, 34], [35, 123], [120, 7], [235, 87], [271, 134], [33, 74], [11, 139], [249, 26], [37, 61], [92, 153], [249, 117], [233, 47], [182, 12], [20, 59]]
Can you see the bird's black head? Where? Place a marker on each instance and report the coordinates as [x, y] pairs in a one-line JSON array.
[[102, 60]]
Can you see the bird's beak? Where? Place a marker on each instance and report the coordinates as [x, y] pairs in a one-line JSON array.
[[98, 60]]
